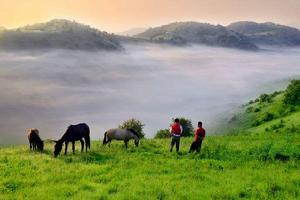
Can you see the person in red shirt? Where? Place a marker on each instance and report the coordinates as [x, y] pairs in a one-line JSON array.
[[199, 137], [176, 131]]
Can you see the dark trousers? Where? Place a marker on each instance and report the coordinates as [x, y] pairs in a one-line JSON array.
[[175, 140], [196, 145]]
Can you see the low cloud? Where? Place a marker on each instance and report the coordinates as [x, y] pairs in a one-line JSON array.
[[53, 89]]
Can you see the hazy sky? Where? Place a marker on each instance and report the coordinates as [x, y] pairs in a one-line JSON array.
[[120, 15]]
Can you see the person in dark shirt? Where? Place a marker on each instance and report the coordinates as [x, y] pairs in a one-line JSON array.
[[199, 137]]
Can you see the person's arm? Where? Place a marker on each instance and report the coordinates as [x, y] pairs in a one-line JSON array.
[[170, 131], [196, 135]]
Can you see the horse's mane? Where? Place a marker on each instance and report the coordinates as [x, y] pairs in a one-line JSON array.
[[134, 132]]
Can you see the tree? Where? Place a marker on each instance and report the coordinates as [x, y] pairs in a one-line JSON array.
[[135, 124], [292, 93], [187, 126], [162, 133]]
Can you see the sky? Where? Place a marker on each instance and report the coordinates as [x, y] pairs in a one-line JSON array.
[[122, 15]]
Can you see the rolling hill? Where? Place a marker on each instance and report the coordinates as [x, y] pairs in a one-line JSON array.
[[267, 33], [60, 34], [268, 114], [182, 33]]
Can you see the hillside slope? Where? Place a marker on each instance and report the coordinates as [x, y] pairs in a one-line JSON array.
[[182, 33], [58, 33], [268, 33], [267, 114]]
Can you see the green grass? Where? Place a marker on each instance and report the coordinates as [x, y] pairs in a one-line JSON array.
[[229, 167]]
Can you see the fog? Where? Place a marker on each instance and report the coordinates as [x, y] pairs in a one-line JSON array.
[[50, 90]]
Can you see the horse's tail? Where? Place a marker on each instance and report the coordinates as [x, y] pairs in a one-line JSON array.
[[105, 138], [87, 139]]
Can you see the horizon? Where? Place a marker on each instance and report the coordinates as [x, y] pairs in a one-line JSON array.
[[118, 16], [133, 28]]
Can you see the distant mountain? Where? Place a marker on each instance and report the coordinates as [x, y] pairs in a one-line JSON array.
[[58, 33], [267, 33], [132, 32], [182, 33]]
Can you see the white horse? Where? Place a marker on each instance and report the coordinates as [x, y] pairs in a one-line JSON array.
[[121, 134]]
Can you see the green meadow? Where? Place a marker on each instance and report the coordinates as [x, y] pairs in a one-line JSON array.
[[259, 158], [228, 167]]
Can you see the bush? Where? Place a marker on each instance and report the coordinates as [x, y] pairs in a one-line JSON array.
[[256, 109], [135, 124], [265, 98], [292, 93], [163, 133], [268, 117]]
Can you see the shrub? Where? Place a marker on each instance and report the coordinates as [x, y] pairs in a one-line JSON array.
[[249, 109], [251, 102], [256, 123], [135, 124], [187, 126], [265, 98], [256, 109], [268, 117], [163, 133], [292, 93]]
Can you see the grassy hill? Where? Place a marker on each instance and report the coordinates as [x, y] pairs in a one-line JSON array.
[[267, 114], [259, 159], [229, 167]]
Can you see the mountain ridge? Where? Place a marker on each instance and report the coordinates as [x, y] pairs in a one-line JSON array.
[[58, 33], [66, 34]]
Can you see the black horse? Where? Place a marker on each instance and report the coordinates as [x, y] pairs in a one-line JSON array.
[[35, 141], [74, 133]]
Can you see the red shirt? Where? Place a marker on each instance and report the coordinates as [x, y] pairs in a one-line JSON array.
[[175, 129], [200, 133]]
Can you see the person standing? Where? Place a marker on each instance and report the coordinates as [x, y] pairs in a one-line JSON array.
[[199, 136], [176, 131]]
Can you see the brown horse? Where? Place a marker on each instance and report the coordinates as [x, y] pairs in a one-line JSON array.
[[35, 141], [74, 133]]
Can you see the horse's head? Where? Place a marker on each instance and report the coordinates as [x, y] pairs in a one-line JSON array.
[[41, 145], [57, 148], [136, 137]]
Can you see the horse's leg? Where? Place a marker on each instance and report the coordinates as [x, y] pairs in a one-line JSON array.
[[30, 145], [34, 146], [86, 146], [66, 147], [126, 143], [109, 141], [82, 145], [73, 147]]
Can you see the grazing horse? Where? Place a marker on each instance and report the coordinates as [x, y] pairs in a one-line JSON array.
[[74, 133], [35, 140], [121, 134]]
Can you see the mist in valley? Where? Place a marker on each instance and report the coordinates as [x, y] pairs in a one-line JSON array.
[[50, 90]]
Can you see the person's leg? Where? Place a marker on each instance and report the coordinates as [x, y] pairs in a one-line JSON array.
[[177, 144], [172, 143], [192, 148], [199, 145]]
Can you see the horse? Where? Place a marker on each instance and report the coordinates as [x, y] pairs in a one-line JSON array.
[[35, 141], [72, 134], [121, 134]]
